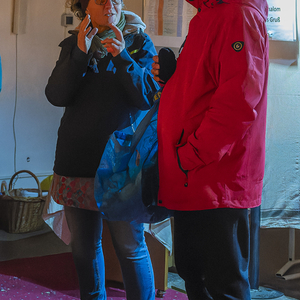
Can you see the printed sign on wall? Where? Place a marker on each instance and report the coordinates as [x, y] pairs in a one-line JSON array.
[[281, 22], [167, 21]]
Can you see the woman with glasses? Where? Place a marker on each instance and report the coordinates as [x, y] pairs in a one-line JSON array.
[[102, 75]]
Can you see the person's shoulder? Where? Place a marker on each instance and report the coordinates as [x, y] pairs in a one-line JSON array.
[[136, 40], [143, 38], [138, 35], [237, 9], [69, 41], [232, 9]]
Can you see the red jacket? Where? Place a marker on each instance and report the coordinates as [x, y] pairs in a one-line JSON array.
[[212, 114]]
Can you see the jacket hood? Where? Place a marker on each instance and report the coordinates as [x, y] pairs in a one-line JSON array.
[[260, 5]]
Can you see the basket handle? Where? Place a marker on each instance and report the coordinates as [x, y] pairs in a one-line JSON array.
[[3, 187], [26, 171]]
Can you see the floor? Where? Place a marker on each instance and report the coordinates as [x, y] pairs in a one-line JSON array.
[[45, 242], [176, 283]]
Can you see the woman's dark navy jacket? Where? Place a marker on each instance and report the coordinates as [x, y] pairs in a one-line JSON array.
[[96, 104]]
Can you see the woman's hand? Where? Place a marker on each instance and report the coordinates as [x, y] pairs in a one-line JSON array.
[[117, 45], [86, 34], [155, 68], [164, 65]]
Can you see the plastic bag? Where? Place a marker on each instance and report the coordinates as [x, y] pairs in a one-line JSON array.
[[122, 191]]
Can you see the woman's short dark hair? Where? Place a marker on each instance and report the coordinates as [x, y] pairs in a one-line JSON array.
[[78, 7]]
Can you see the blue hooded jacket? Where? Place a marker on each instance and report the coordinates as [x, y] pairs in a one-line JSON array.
[[97, 103]]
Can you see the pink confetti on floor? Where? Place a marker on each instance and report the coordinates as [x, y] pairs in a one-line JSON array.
[[15, 288]]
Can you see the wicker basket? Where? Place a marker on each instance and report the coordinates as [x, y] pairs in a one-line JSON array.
[[18, 213]]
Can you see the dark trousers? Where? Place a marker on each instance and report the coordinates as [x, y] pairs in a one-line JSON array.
[[212, 253]]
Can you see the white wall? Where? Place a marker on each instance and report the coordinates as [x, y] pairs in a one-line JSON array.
[[27, 62]]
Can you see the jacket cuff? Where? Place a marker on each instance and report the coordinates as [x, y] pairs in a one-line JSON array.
[[81, 57], [122, 58]]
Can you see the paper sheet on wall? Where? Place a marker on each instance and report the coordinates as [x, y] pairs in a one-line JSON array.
[[281, 22], [167, 21]]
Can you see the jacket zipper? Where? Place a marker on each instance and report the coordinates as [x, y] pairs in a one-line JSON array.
[[178, 159]]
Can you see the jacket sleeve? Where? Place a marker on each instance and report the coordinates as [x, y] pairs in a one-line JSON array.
[[134, 72], [241, 80], [67, 75]]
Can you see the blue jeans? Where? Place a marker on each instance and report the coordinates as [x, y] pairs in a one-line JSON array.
[[131, 249]]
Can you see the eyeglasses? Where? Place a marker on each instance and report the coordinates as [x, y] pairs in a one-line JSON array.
[[103, 2]]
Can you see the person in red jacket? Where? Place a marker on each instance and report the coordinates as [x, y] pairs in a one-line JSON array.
[[211, 144]]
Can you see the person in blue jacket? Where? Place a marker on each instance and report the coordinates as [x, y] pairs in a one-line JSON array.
[[103, 75]]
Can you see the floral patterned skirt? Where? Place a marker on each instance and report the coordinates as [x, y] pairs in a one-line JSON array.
[[73, 191]]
